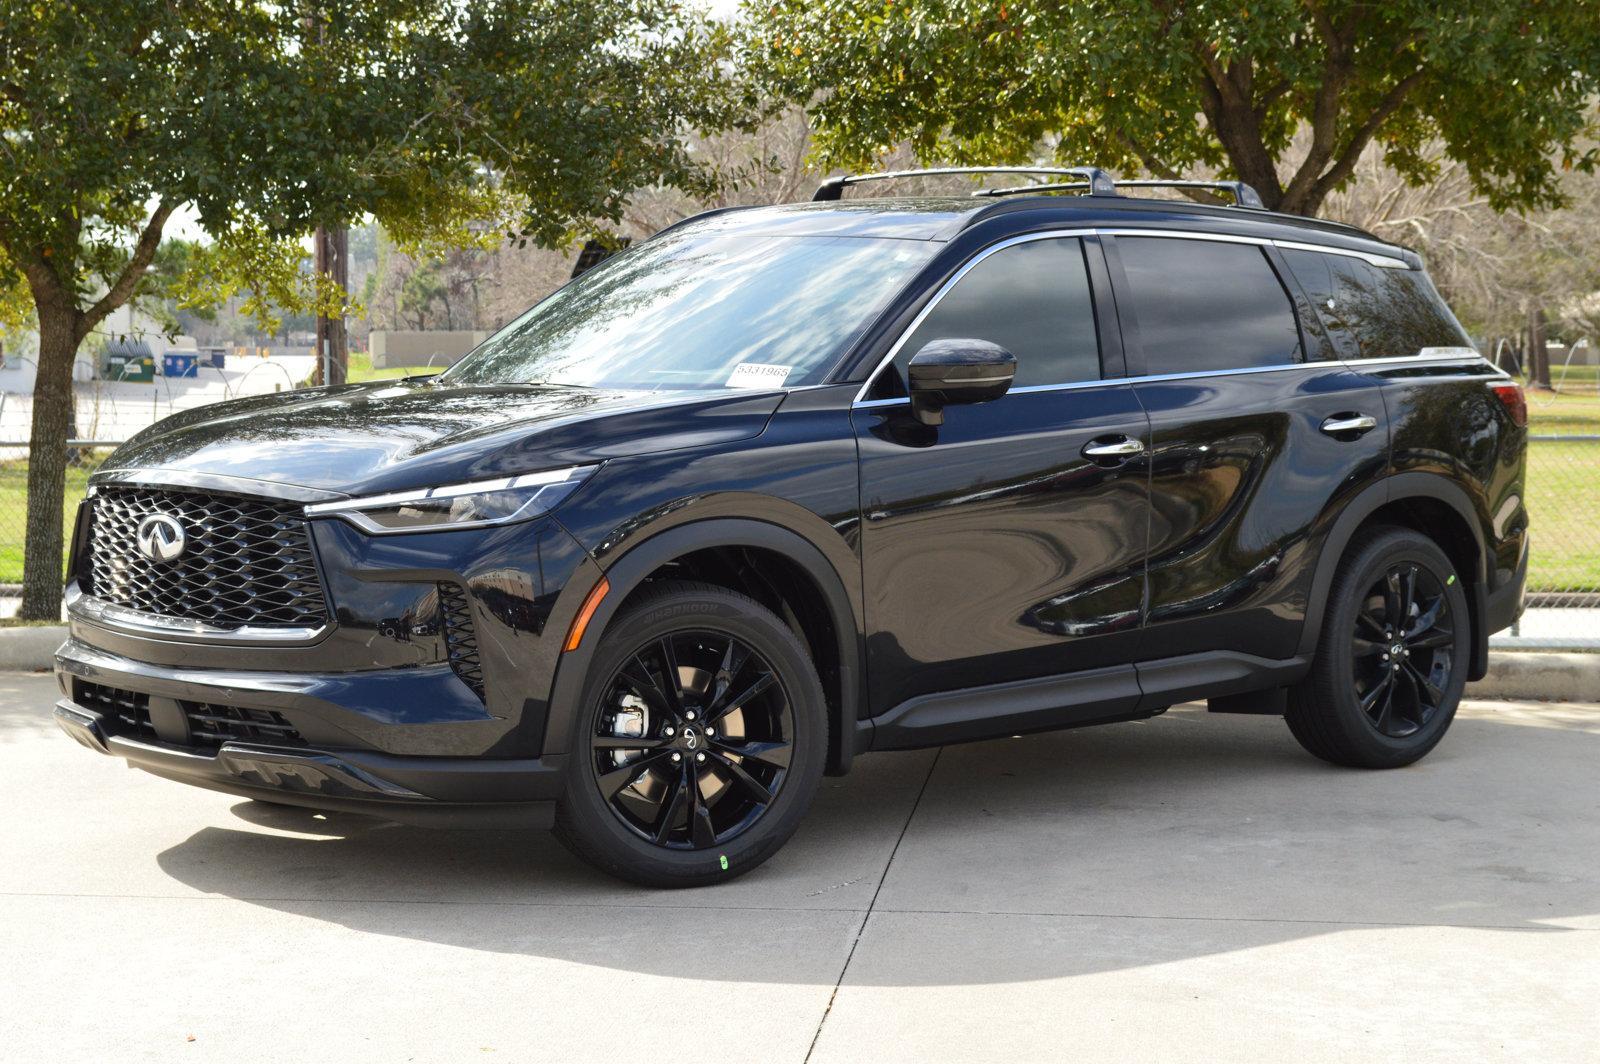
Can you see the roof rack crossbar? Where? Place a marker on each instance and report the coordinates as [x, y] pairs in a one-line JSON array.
[[1243, 195], [1096, 180]]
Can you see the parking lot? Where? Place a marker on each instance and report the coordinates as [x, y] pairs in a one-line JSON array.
[[1191, 887]]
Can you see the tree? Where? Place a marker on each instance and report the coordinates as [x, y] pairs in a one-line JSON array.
[[1168, 86], [268, 119]]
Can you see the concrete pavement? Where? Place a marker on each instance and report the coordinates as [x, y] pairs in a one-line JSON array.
[[1188, 888]]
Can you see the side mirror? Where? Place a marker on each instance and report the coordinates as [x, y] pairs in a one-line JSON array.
[[957, 371]]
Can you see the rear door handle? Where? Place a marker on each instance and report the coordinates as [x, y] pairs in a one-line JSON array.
[[1347, 424], [1112, 447]]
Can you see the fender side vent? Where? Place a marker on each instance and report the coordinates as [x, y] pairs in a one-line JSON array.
[[460, 638]]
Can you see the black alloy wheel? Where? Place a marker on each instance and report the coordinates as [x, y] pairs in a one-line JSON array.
[[1403, 650], [693, 739], [701, 742], [1391, 656]]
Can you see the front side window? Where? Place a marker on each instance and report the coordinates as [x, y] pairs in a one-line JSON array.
[[695, 310], [1033, 300], [1383, 312], [1206, 305]]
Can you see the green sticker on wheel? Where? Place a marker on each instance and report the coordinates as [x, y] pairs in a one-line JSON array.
[[1450, 581], [724, 859]]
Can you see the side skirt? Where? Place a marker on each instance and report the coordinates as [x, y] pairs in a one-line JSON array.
[[1093, 696]]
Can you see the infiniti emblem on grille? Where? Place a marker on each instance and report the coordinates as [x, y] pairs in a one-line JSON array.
[[160, 538]]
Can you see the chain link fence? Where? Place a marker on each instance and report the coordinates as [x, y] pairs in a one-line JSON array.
[[1564, 501], [1563, 490]]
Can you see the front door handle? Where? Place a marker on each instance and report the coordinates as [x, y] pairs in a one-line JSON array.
[[1349, 424], [1106, 448]]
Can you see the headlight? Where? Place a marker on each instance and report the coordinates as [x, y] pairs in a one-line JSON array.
[[471, 505]]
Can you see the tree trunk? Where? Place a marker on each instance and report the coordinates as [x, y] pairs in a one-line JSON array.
[[47, 459], [1538, 352]]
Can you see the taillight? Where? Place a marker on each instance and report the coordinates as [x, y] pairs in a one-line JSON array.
[[1515, 402]]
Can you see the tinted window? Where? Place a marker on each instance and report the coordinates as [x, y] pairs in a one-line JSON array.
[[1385, 313], [695, 309], [1033, 300], [1203, 305]]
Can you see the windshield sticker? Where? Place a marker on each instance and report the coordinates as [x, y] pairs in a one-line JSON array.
[[758, 375]]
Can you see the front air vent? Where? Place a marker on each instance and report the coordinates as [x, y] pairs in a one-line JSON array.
[[212, 724], [460, 638], [127, 712]]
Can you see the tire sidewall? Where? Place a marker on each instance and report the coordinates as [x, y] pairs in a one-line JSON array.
[[1365, 571], [716, 611]]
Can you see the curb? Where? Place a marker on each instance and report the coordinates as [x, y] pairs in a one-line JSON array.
[[30, 648], [1538, 676], [1527, 676]]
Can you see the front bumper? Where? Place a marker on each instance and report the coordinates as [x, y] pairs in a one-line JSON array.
[[321, 761]]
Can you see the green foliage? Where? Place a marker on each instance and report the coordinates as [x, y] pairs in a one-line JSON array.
[[447, 122], [441, 119], [1174, 85]]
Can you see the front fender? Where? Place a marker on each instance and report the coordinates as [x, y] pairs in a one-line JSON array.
[[630, 561]]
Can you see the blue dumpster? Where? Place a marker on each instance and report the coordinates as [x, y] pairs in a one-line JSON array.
[[180, 364]]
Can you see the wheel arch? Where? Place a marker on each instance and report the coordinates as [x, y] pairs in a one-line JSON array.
[[1437, 508], [810, 595]]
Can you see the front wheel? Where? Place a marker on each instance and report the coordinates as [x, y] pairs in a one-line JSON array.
[[1392, 656], [701, 743]]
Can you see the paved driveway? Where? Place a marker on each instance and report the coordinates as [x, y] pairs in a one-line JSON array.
[[1188, 888]]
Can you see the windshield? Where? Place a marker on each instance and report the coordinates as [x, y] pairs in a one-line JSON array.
[[696, 310]]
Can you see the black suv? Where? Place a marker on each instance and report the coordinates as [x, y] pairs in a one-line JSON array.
[[784, 485]]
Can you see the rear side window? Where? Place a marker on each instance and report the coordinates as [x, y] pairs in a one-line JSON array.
[[1033, 300], [1382, 312], [1207, 305]]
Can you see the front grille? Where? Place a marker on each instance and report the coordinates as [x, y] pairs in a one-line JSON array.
[[247, 562], [130, 709], [460, 638], [211, 725]]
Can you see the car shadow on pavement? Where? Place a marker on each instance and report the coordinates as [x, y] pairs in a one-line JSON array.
[[1063, 854]]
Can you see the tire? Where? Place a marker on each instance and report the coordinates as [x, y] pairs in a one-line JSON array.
[[1340, 711], [750, 719]]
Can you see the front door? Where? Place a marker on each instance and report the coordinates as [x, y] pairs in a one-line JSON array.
[[993, 547]]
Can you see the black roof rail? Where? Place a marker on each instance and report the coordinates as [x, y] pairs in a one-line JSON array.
[[1243, 195], [1096, 180]]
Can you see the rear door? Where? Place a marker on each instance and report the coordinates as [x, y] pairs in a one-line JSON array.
[[993, 548], [1258, 438]]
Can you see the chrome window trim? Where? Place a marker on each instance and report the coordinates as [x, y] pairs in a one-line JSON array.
[[81, 606], [1384, 261], [1059, 234]]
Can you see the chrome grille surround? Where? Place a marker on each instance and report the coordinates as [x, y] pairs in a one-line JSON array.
[[248, 561]]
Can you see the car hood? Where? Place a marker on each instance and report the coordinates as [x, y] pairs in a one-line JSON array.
[[392, 436]]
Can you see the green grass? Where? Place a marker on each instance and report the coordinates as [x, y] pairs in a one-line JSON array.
[[361, 370], [1564, 515], [14, 508], [1573, 408]]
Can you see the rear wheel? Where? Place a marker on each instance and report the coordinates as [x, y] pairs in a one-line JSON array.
[[701, 743], [1392, 656]]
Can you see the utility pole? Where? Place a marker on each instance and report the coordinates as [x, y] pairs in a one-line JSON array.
[[332, 259]]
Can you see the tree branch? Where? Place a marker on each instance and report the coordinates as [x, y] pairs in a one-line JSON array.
[[127, 282], [1364, 133]]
